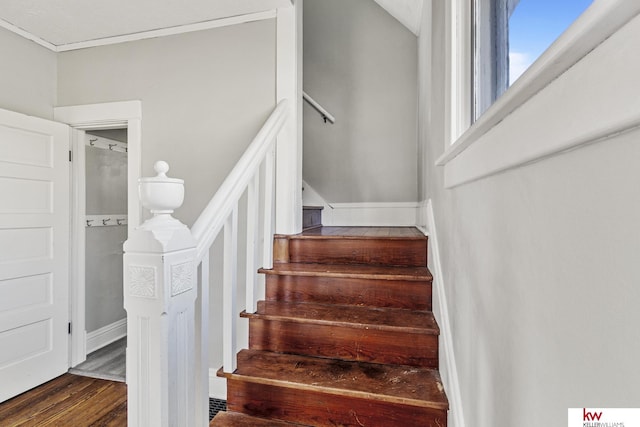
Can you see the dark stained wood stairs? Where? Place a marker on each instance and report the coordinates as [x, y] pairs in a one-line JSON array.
[[345, 337]]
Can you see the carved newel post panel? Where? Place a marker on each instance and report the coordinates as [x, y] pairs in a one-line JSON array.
[[159, 296]]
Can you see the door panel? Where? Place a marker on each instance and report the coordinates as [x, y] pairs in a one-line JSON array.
[[34, 251]]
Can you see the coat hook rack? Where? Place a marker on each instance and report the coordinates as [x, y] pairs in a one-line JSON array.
[[106, 220], [107, 144]]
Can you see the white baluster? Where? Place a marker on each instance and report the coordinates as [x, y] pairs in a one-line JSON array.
[[160, 294], [269, 203], [230, 291], [202, 344], [253, 211]]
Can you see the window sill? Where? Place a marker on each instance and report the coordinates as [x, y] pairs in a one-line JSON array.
[[601, 20]]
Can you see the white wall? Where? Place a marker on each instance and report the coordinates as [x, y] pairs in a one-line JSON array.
[[540, 262], [204, 97], [27, 76], [360, 64]]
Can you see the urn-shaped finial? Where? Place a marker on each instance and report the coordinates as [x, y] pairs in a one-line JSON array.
[[161, 194]]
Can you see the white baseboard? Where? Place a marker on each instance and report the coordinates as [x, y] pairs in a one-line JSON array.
[[217, 385], [422, 216], [361, 214], [106, 335], [448, 369], [370, 214]]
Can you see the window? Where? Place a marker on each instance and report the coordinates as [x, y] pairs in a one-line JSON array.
[[508, 36]]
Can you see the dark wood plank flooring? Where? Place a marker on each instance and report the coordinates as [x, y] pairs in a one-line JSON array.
[[68, 400]]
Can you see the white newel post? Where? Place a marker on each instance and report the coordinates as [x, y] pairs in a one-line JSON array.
[[159, 296]]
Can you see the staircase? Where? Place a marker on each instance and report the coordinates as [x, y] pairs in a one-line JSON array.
[[345, 336]]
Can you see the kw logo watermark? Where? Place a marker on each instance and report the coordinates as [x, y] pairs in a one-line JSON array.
[[604, 417], [590, 416]]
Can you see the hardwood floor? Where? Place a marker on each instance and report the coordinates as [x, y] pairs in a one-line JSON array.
[[68, 401]]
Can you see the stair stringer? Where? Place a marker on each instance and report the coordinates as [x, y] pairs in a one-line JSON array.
[[448, 368]]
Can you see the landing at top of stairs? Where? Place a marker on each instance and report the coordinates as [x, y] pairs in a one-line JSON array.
[[364, 232]]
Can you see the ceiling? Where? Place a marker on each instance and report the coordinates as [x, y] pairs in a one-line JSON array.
[[59, 23]]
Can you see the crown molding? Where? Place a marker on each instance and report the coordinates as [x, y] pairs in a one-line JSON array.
[[27, 35], [143, 35]]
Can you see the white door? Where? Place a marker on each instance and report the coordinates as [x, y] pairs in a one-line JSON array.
[[34, 251]]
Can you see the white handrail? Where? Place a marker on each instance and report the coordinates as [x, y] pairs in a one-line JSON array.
[[319, 108], [214, 215], [256, 166]]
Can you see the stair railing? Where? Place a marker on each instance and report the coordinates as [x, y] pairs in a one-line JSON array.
[[222, 213], [167, 283], [319, 108]]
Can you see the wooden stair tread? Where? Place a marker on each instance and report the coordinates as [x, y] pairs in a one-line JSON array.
[[364, 317], [400, 384], [405, 233], [360, 271], [236, 419]]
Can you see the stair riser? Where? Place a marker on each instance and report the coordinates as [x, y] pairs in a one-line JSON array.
[[346, 343], [405, 294], [410, 253], [311, 407]]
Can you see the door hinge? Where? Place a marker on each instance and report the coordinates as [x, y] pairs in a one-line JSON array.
[[69, 328], [69, 155]]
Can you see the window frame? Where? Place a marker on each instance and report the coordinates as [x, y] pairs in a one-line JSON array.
[[596, 24]]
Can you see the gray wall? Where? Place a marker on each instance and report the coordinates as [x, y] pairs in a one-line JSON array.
[[106, 193], [204, 97], [540, 262], [27, 76], [360, 64]]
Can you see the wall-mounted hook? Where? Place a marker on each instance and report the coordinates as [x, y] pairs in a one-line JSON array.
[[104, 221], [119, 221], [92, 142], [89, 221], [111, 146]]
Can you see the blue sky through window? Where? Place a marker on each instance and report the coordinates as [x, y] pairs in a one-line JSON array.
[[533, 27]]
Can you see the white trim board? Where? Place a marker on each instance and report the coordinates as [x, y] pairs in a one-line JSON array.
[[370, 214], [106, 335], [181, 29], [448, 368], [402, 214]]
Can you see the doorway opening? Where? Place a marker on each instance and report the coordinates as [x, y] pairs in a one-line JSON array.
[[105, 159], [106, 146]]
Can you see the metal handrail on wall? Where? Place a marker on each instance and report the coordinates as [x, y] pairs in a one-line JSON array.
[[319, 108]]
